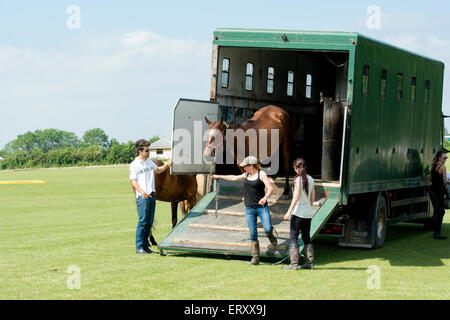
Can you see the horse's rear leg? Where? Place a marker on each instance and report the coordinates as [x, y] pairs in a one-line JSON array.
[[192, 202], [174, 213], [152, 239]]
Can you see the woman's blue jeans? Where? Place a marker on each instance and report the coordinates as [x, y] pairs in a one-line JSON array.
[[146, 215], [251, 213]]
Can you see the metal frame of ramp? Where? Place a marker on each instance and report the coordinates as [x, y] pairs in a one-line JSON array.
[[202, 231]]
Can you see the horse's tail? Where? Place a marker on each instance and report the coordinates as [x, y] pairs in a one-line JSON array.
[[288, 129], [198, 197], [286, 145]]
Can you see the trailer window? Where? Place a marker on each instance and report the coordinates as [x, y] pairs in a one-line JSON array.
[[399, 86], [270, 79], [290, 83], [383, 83], [249, 77], [427, 92], [365, 82], [413, 90], [225, 72], [308, 86]]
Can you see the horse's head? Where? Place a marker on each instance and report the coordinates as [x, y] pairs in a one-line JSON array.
[[215, 136]]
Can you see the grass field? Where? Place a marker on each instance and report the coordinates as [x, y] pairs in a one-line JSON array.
[[86, 217]]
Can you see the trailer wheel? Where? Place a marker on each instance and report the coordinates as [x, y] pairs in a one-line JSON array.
[[379, 221]]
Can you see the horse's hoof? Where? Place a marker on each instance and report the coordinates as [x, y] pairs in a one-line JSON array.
[[162, 253]]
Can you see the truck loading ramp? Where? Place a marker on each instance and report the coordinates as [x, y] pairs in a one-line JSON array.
[[204, 231]]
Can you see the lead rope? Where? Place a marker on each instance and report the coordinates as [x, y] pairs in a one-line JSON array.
[[282, 260]]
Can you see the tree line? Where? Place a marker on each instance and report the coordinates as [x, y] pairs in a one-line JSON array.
[[56, 148]]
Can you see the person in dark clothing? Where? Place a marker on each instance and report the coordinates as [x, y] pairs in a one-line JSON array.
[[255, 200], [438, 191]]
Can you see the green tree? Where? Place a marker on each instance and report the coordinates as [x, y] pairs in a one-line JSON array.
[[50, 139], [154, 139], [45, 140], [96, 137], [121, 153], [93, 155]]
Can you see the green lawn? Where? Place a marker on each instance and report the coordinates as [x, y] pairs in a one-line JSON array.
[[86, 217]]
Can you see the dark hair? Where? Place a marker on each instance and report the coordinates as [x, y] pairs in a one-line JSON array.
[[141, 144], [300, 164], [438, 154]]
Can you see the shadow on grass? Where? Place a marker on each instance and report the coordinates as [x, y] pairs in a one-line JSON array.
[[406, 244], [218, 256]]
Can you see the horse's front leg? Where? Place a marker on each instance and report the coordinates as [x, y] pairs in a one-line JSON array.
[[174, 206], [286, 187]]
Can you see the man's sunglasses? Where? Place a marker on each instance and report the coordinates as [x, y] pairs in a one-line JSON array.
[[147, 150]]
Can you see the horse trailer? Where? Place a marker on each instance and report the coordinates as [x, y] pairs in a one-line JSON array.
[[367, 118]]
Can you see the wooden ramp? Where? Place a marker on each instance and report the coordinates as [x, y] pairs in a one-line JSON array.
[[226, 232]]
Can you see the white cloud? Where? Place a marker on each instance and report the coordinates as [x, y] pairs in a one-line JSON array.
[[139, 38], [434, 42], [430, 46], [78, 89], [153, 45]]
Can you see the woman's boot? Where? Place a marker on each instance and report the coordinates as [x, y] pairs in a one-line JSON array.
[[293, 256], [272, 239], [255, 253], [309, 250]]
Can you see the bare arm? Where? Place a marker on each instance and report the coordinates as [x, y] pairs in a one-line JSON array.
[[264, 178], [294, 201], [164, 167], [313, 196], [443, 171], [229, 177], [135, 186]]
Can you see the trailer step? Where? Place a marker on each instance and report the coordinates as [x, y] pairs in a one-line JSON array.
[[215, 227], [229, 244], [225, 231]]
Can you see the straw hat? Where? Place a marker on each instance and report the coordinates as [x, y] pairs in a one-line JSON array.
[[250, 160]]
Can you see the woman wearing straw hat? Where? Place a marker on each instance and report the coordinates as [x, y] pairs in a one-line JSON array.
[[255, 200]]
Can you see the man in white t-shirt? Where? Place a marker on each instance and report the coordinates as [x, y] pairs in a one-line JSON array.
[[142, 179]]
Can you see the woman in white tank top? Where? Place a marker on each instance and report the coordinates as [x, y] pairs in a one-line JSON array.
[[300, 213]]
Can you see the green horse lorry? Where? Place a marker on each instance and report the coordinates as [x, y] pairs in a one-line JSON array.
[[367, 118]]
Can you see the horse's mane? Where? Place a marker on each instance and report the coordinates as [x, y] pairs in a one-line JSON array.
[[159, 163]]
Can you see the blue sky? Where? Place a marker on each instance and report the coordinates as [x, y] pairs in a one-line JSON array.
[[130, 61]]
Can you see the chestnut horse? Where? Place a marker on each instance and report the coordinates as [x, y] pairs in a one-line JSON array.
[[174, 189], [268, 117]]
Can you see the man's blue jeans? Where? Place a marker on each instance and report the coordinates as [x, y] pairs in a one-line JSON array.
[[251, 213], [146, 215]]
